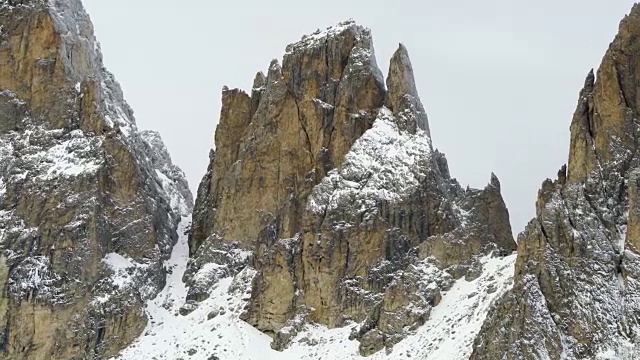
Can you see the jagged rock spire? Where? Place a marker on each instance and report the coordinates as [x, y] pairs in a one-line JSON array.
[[604, 130], [402, 96], [310, 110]]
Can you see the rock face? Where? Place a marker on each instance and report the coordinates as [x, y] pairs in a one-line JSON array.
[[577, 276], [325, 182], [89, 205]]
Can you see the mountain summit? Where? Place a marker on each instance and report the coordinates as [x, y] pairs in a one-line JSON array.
[[326, 181]]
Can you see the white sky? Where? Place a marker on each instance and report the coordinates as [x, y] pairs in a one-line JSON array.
[[499, 79]]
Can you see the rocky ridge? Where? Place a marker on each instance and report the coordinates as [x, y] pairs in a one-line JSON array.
[[327, 225], [89, 205], [578, 268], [324, 183]]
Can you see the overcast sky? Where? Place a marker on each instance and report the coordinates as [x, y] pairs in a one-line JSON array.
[[499, 79]]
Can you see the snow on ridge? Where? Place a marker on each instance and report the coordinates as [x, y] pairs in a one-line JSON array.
[[82, 58], [385, 163], [76, 30], [65, 162], [318, 37], [176, 201], [170, 177]]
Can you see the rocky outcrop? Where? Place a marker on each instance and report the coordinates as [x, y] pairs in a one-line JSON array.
[[298, 124], [576, 278], [89, 206], [324, 181]]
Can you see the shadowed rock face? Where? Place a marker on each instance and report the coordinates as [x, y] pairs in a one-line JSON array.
[[576, 278], [89, 206], [327, 184]]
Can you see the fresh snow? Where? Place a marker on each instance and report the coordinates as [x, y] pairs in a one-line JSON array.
[[65, 161], [319, 36], [448, 334], [48, 154], [213, 330], [455, 322], [383, 164], [38, 275], [121, 267], [31, 276], [176, 200]]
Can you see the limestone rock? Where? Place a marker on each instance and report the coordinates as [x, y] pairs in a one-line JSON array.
[[403, 95], [327, 184], [89, 206], [577, 270]]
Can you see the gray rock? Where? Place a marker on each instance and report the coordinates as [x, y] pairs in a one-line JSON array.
[[575, 293], [213, 314]]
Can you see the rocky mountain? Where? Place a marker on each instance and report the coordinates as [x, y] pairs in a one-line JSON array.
[[326, 227], [326, 203], [577, 275], [89, 205]]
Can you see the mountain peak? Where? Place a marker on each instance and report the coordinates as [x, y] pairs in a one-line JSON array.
[[329, 180], [603, 125], [319, 37], [65, 56], [402, 95], [89, 206]]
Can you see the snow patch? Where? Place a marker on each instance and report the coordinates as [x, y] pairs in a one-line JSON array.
[[383, 164], [176, 200], [65, 161], [47, 154], [214, 330], [122, 269]]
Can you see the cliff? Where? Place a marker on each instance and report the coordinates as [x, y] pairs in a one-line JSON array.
[[89, 205], [576, 275]]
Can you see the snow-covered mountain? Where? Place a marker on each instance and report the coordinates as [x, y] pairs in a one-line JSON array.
[[326, 227], [325, 197]]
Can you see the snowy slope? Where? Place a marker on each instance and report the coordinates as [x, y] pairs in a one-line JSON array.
[[383, 164], [448, 334]]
